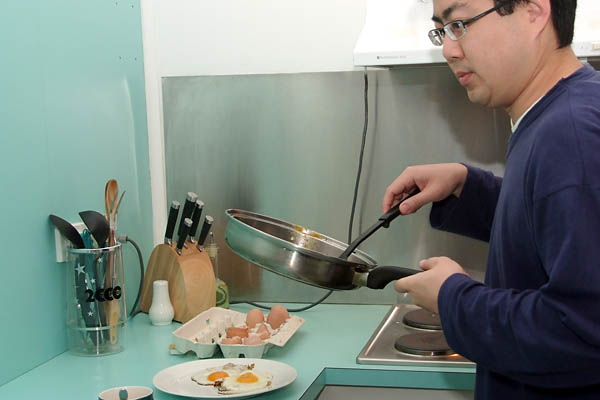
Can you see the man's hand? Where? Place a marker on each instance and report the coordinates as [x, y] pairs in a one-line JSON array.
[[424, 287], [436, 182]]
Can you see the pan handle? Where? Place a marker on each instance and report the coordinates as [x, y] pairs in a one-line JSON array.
[[384, 221], [395, 210], [379, 277]]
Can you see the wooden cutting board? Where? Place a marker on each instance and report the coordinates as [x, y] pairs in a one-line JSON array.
[[191, 278]]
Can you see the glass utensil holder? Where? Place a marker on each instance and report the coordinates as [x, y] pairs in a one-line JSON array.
[[96, 309], [222, 295]]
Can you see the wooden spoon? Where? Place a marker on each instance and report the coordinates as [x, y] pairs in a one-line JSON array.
[[111, 191]]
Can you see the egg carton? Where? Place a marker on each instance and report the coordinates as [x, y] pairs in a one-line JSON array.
[[202, 333]]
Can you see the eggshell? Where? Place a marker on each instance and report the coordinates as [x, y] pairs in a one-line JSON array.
[[263, 332], [264, 335], [234, 340], [254, 316], [253, 339], [277, 316], [236, 331]]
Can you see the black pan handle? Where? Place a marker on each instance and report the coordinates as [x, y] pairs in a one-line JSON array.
[[395, 210], [384, 221], [379, 277]]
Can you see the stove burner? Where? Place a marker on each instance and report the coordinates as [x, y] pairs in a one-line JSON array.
[[423, 319], [424, 344]]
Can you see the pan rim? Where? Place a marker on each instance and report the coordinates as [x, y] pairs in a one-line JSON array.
[[368, 263]]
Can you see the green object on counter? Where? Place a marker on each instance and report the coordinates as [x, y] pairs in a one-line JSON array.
[[222, 294]]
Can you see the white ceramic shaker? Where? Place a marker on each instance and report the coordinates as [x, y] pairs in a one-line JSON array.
[[161, 311]]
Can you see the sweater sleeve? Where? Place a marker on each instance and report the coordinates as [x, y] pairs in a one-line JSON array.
[[547, 337], [472, 214]]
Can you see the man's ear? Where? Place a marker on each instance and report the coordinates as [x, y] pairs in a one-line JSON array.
[[539, 13]]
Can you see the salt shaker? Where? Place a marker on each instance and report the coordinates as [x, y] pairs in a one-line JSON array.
[[161, 311]]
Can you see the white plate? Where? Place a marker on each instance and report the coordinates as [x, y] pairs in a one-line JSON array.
[[177, 379]]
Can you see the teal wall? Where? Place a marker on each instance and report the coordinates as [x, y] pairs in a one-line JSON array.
[[72, 116]]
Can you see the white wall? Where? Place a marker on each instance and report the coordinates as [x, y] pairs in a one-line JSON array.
[[228, 37]]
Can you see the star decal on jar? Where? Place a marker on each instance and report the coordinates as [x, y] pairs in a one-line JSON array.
[[80, 269]]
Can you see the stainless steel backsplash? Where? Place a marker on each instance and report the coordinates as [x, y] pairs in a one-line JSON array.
[[288, 146]]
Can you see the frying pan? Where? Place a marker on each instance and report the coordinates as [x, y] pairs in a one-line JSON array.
[[307, 256]]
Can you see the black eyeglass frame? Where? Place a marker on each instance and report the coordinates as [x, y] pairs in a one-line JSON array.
[[441, 32]]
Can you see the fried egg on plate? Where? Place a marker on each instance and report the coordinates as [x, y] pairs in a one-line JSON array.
[[210, 376], [247, 381]]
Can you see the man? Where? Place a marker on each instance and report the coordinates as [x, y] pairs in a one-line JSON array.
[[533, 328]]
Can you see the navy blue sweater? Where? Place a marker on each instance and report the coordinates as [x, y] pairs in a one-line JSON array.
[[534, 327]]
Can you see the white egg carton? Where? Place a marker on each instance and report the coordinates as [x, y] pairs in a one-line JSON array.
[[202, 334]]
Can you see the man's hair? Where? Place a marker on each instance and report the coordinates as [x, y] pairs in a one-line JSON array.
[[563, 17]]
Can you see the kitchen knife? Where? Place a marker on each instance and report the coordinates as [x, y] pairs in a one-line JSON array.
[[188, 208], [208, 221], [187, 224], [173, 211], [195, 220]]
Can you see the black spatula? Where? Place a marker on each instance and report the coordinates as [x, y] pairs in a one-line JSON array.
[[68, 231], [97, 225]]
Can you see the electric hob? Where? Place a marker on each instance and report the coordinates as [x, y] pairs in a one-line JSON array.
[[410, 335]]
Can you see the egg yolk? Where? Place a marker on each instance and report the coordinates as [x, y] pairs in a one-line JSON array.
[[217, 375], [248, 377]]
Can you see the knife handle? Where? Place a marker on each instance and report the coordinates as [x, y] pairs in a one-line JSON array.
[[195, 220], [208, 221], [187, 224], [173, 211], [188, 208]]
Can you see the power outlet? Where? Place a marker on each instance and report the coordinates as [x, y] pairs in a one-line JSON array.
[[62, 242]]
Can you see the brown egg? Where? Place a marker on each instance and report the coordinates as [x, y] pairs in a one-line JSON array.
[[233, 340], [277, 316], [235, 331], [254, 316]]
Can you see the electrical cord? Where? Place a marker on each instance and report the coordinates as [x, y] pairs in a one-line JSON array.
[[362, 153], [291, 309], [125, 238], [356, 185]]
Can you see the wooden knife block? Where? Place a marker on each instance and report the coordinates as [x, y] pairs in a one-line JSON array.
[[191, 280]]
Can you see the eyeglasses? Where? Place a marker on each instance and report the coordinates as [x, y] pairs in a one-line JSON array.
[[456, 29]]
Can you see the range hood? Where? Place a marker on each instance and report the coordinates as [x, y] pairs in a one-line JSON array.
[[395, 33]]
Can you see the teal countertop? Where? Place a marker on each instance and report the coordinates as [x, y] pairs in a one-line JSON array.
[[323, 351]]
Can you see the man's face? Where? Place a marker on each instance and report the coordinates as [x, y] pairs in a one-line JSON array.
[[488, 59]]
